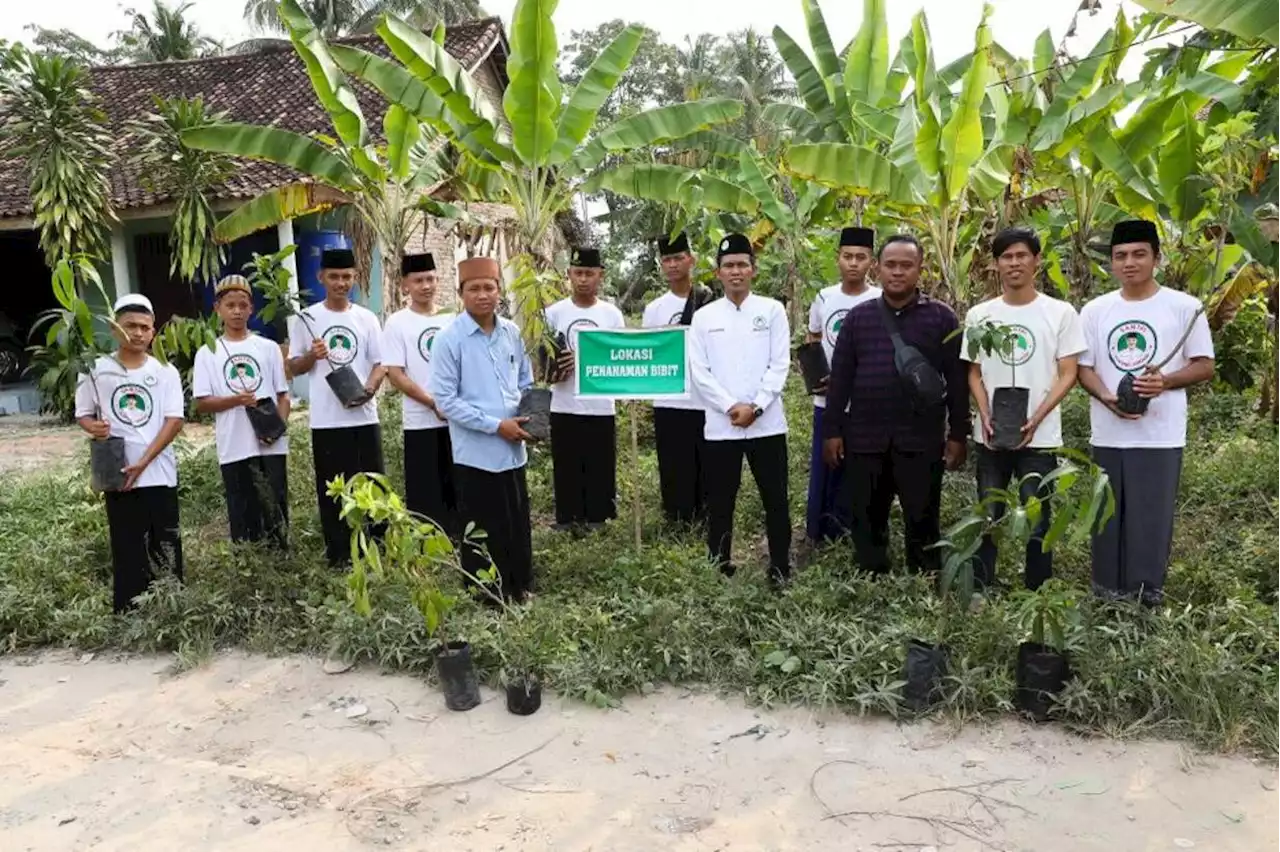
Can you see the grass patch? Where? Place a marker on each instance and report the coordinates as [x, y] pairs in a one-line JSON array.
[[610, 622]]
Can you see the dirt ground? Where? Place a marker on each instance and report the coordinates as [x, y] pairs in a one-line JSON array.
[[250, 753], [32, 442]]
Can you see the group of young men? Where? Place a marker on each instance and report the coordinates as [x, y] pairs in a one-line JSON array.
[[893, 414]]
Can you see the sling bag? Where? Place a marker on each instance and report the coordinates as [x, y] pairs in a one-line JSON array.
[[925, 387]]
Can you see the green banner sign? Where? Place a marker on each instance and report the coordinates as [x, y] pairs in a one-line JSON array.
[[650, 363]]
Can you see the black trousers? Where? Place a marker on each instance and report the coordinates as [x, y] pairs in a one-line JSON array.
[[498, 505], [767, 458], [872, 481], [678, 433], [428, 476], [342, 452], [258, 499], [145, 540], [995, 469], [584, 461]]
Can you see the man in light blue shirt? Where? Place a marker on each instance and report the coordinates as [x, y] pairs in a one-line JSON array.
[[479, 370]]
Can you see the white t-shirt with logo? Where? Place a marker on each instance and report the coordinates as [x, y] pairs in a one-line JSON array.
[[662, 312], [564, 317], [136, 403], [407, 340], [234, 366], [354, 338], [1047, 330], [1124, 337], [827, 315]]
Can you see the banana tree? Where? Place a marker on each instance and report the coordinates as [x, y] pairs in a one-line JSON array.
[[746, 186], [384, 182], [548, 145]]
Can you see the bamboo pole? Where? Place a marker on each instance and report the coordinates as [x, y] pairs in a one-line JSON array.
[[633, 415]]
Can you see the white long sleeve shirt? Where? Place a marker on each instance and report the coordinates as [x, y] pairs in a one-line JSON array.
[[741, 354]]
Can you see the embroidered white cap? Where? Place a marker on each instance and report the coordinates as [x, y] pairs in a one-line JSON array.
[[134, 300]]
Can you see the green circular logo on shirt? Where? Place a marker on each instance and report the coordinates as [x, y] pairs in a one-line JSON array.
[[131, 404], [835, 322], [1131, 345], [242, 373], [425, 341], [343, 344], [759, 322], [575, 326], [1024, 346]]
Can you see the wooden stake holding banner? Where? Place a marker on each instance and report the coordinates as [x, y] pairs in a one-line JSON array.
[[633, 414], [632, 364]]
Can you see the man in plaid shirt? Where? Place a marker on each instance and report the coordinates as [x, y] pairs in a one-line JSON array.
[[888, 445]]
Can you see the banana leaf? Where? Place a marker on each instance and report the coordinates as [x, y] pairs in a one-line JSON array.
[[271, 208], [863, 171], [797, 119], [532, 99], [827, 62], [442, 74], [1248, 19], [961, 142], [809, 83], [402, 132], [866, 69], [331, 87], [399, 86], [283, 147], [676, 185], [593, 90], [1178, 162], [654, 126], [757, 184]]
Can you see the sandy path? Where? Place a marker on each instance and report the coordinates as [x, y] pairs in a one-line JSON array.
[[32, 442], [249, 753]]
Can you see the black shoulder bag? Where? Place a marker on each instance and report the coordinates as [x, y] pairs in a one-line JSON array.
[[925, 387]]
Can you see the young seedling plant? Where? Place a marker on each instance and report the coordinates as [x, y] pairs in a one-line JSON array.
[[1008, 411], [1077, 492], [1079, 496], [268, 275], [532, 292], [83, 335], [398, 549]]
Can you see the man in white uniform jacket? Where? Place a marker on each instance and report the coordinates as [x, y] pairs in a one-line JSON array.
[[739, 358]]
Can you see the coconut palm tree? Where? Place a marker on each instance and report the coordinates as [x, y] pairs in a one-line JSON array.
[[756, 75], [698, 67], [334, 18], [165, 36]]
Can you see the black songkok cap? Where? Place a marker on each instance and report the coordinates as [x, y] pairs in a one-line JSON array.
[[1135, 231], [858, 237], [586, 257], [338, 258], [734, 244], [677, 246], [412, 263]]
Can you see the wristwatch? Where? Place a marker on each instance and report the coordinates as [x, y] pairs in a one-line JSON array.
[[757, 412]]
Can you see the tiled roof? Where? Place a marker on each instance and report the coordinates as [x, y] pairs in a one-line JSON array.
[[269, 86]]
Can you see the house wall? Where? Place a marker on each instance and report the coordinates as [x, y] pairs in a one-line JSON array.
[[487, 76]]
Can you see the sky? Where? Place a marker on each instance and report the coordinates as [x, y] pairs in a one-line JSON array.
[[951, 22]]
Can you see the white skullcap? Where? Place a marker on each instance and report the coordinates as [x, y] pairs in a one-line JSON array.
[[134, 300]]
